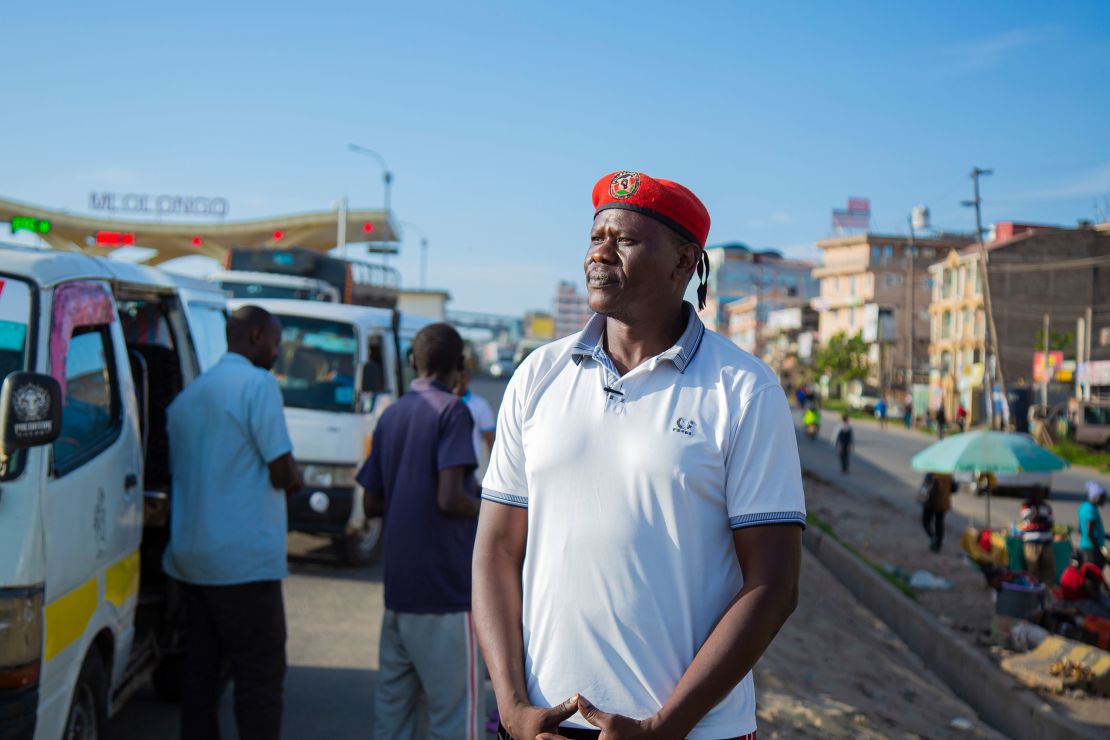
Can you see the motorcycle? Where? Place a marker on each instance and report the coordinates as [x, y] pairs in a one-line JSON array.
[[812, 430]]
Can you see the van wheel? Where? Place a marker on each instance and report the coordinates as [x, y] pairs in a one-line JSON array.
[[168, 677], [88, 710], [361, 547]]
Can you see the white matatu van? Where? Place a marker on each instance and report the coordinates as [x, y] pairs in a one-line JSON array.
[[339, 367], [92, 351]]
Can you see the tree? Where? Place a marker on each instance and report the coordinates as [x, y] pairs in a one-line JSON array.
[[843, 358], [1058, 341]]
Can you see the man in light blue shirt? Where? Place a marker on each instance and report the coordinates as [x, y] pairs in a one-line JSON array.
[[1092, 535], [232, 466]]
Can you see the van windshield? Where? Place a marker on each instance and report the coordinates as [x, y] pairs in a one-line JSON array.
[[316, 364], [15, 318], [15, 313]]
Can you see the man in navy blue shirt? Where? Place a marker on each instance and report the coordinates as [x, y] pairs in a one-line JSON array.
[[420, 475]]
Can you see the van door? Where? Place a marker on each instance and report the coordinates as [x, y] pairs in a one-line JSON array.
[[93, 501]]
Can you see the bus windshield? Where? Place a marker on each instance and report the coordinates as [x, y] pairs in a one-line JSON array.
[[261, 290], [316, 364]]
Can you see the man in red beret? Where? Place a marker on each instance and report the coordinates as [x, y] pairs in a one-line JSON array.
[[642, 541]]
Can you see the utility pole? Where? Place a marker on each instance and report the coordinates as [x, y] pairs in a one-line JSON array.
[[913, 315], [1087, 352], [341, 226], [1044, 365], [1080, 345], [991, 340]]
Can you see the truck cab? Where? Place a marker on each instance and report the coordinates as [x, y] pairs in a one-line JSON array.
[[339, 367], [92, 352]]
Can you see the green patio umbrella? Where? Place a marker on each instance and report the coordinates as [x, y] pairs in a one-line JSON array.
[[987, 452]]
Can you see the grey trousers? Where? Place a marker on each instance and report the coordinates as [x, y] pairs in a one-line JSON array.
[[429, 660]]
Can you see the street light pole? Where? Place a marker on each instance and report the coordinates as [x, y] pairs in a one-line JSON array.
[[423, 253], [387, 176]]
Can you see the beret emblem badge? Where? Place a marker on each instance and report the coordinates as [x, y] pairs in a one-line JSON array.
[[624, 185]]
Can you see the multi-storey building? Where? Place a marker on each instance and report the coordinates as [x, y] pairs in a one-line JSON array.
[[572, 309], [1033, 271], [737, 271], [874, 285], [788, 342]]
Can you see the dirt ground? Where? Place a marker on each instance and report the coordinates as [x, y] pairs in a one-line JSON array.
[[836, 671], [884, 533]]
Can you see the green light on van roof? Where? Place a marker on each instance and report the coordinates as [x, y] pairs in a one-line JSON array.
[[29, 223]]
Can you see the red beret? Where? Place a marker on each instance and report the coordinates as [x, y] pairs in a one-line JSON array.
[[665, 201]]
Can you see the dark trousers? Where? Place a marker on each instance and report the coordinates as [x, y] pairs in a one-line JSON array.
[[244, 626], [844, 453], [933, 521]]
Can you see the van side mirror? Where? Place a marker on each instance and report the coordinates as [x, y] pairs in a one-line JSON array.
[[30, 411], [373, 377]]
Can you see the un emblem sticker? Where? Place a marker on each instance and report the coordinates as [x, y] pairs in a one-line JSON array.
[[624, 185]]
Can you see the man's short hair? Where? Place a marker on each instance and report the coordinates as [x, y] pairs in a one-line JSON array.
[[246, 319], [437, 349]]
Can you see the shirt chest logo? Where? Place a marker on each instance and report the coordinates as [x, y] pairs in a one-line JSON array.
[[684, 426]]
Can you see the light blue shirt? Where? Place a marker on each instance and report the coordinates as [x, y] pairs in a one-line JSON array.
[[1088, 514], [228, 523]]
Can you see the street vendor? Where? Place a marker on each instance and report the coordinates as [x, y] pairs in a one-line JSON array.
[[640, 541], [1036, 536]]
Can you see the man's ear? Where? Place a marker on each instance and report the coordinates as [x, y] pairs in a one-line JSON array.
[[689, 254]]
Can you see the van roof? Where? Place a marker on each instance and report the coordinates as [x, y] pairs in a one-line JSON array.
[[48, 267], [319, 310], [361, 315]]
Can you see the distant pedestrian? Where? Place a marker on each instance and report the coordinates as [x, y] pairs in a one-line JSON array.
[[844, 442], [1036, 536], [484, 421], [880, 412], [936, 501], [420, 476], [942, 422], [1092, 534], [961, 417], [232, 466], [800, 396]]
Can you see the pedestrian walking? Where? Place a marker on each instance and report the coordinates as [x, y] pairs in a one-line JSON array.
[[637, 465], [232, 466], [935, 496], [1036, 536], [420, 476], [482, 414], [942, 422], [961, 418], [1092, 534], [844, 442], [880, 413]]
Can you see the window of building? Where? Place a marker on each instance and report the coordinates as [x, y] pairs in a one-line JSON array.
[[91, 405], [875, 253], [888, 253], [946, 325], [852, 285], [892, 280], [967, 328], [852, 316]]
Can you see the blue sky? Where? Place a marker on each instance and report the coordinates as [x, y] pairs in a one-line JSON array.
[[498, 117]]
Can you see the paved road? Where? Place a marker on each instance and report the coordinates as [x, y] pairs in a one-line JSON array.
[[334, 615], [882, 459]]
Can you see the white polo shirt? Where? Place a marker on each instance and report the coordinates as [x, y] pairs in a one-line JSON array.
[[633, 486]]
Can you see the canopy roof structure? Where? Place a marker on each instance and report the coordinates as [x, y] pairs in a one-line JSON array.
[[317, 231]]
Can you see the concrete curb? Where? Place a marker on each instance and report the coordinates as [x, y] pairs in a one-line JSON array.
[[992, 693]]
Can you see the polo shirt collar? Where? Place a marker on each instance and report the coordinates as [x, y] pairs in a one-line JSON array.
[[237, 358], [426, 384], [591, 342]]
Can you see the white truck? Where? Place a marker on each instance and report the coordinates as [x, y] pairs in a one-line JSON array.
[[339, 367], [92, 351]]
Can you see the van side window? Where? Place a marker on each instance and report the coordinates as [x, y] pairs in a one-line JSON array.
[[91, 405], [210, 332]]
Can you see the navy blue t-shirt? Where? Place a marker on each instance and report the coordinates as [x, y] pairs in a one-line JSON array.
[[426, 554]]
